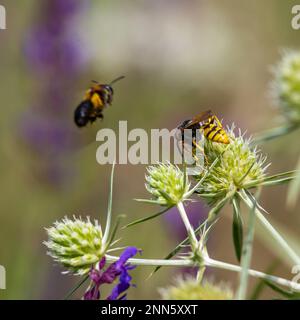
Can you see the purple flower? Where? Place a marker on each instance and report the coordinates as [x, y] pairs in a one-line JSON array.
[[52, 45], [196, 212], [53, 51], [117, 269]]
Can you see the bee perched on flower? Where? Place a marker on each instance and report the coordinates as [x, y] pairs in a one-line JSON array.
[[238, 165], [80, 247]]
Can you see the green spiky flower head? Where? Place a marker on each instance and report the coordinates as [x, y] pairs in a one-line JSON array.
[[286, 86], [190, 289], [238, 165], [76, 244], [167, 184]]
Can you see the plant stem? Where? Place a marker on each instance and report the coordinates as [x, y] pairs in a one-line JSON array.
[[109, 209], [155, 262], [209, 263], [246, 255], [257, 274], [290, 252], [275, 133], [274, 233], [294, 188], [200, 274], [189, 228]]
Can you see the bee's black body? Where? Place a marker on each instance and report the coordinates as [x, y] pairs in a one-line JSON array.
[[82, 114], [96, 98]]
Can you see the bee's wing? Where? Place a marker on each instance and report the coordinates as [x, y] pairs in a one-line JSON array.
[[202, 116], [184, 141]]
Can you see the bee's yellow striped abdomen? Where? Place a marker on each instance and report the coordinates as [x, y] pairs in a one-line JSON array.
[[215, 133]]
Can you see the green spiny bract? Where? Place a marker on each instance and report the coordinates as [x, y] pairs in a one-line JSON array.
[[167, 184], [286, 85], [76, 244], [239, 164], [190, 289]]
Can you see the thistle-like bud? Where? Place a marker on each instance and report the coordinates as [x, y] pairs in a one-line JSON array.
[[76, 244], [190, 289], [239, 165], [167, 184], [286, 86]]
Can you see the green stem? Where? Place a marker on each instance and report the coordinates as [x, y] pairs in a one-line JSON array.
[[109, 209], [200, 274], [189, 228], [154, 262], [246, 255], [257, 274], [275, 133], [294, 188], [274, 233], [209, 263], [284, 245]]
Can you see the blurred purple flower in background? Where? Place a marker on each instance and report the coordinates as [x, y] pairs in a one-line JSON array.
[[196, 213], [117, 269], [52, 44], [55, 58]]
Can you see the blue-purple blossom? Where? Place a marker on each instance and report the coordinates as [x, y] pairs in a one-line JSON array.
[[196, 212], [54, 55], [117, 269], [52, 45]]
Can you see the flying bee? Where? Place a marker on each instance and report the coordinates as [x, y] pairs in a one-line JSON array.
[[208, 124], [96, 98]]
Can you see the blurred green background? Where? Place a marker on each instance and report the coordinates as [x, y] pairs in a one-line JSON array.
[[179, 58]]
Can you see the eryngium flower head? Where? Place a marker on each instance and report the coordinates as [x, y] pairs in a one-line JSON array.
[[167, 183], [286, 86], [239, 166], [190, 289], [76, 244]]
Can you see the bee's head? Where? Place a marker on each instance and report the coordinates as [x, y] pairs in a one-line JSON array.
[[183, 125], [108, 88]]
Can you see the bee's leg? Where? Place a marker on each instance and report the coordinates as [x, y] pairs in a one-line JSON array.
[[181, 147], [215, 118], [201, 149], [92, 119]]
